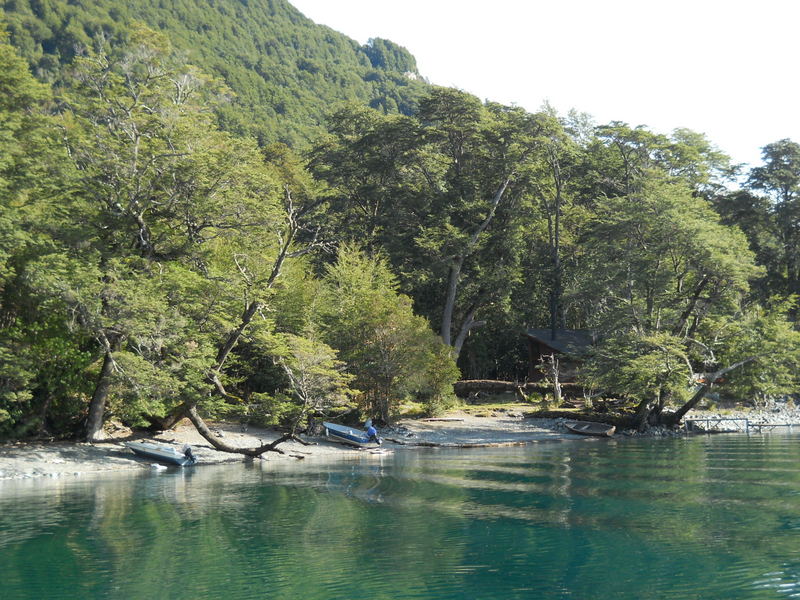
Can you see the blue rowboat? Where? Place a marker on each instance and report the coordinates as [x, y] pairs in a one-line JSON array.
[[347, 435], [163, 454], [590, 428]]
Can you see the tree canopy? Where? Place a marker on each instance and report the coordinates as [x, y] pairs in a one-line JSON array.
[[283, 70], [216, 209]]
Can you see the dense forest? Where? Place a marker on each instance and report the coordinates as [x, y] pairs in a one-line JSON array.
[[223, 209], [283, 70]]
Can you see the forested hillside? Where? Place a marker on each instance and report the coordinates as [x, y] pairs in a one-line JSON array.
[[162, 256], [284, 70]]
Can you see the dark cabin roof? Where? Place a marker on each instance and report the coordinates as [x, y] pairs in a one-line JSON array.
[[572, 342]]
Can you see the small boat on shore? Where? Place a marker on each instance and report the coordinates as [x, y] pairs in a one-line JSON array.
[[347, 435], [163, 453], [591, 428]]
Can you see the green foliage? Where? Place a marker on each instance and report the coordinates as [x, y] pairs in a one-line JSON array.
[[284, 70], [669, 283], [385, 54], [153, 211], [445, 194], [16, 374], [42, 384], [391, 351], [317, 379], [435, 386], [774, 230], [661, 261], [764, 334], [640, 366], [163, 227], [779, 176]]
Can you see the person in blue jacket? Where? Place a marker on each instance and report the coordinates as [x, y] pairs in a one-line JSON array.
[[372, 433]]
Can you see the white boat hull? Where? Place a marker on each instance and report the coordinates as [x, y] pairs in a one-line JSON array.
[[348, 435], [161, 453]]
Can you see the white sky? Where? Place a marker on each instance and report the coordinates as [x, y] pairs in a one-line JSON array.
[[727, 68]]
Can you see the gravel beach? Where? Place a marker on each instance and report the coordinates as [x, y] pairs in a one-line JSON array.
[[25, 460]]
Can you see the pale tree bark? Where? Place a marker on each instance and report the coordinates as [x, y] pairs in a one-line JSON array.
[[97, 406], [450, 299], [222, 446], [468, 324], [252, 308], [454, 278], [552, 374], [706, 387]]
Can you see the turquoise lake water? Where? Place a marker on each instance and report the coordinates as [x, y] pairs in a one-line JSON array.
[[701, 517]]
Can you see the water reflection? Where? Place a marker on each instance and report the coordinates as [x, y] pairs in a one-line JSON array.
[[702, 517]]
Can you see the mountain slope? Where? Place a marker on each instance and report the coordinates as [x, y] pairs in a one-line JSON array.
[[286, 70]]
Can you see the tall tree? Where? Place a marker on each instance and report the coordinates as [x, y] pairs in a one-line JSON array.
[[559, 154], [391, 351], [625, 156], [442, 194], [661, 274], [177, 214], [368, 162], [753, 214], [36, 349], [479, 150], [779, 178]]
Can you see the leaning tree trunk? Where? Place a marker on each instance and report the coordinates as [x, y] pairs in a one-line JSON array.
[[168, 422], [232, 339], [217, 443], [97, 407], [189, 408], [675, 418], [454, 278], [180, 411], [642, 413]]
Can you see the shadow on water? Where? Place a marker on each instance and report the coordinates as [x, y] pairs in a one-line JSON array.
[[713, 517]]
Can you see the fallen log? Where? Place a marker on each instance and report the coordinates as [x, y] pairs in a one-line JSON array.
[[422, 444], [219, 444], [620, 421], [467, 387]]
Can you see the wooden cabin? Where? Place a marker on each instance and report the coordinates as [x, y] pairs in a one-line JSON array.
[[569, 346]]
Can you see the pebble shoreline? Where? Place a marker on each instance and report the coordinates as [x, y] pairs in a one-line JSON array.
[[60, 459]]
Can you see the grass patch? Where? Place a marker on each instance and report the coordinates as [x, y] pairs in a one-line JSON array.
[[411, 410], [496, 403]]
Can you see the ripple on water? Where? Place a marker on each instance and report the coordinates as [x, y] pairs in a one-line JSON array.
[[681, 518], [784, 582]]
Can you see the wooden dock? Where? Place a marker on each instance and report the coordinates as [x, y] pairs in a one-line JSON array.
[[717, 424], [732, 425], [759, 427]]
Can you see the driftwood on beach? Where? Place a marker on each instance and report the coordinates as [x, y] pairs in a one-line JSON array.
[[468, 387], [422, 444], [620, 421]]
